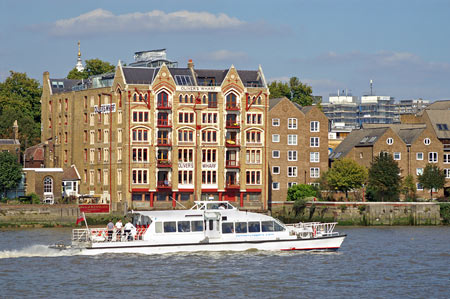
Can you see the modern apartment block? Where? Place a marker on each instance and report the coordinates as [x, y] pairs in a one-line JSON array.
[[298, 144], [153, 135]]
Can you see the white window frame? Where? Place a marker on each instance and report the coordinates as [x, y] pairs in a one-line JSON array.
[[314, 172], [447, 173], [292, 123], [446, 158], [275, 138], [314, 142], [290, 184], [399, 156], [292, 140], [275, 122], [314, 157], [277, 186], [390, 141], [275, 151], [433, 155], [292, 171], [314, 126], [292, 155], [419, 171], [421, 156], [273, 170], [427, 141], [419, 186]]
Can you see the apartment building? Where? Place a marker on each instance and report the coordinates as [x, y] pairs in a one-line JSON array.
[[298, 144], [152, 136]]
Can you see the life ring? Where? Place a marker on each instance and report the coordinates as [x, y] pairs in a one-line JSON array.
[[314, 232]]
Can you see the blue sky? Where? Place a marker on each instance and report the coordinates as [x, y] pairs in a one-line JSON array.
[[402, 45]]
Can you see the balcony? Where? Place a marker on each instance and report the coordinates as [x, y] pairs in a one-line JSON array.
[[164, 106], [232, 143], [164, 185], [164, 163], [232, 107], [232, 186], [163, 142], [164, 123], [231, 164], [232, 124]]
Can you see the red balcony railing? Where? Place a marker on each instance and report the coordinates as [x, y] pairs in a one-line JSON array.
[[164, 142], [232, 185], [232, 124], [232, 107], [232, 143], [166, 184], [231, 164], [164, 123], [164, 163], [164, 106]]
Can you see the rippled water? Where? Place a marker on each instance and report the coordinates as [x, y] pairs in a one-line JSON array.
[[372, 263]]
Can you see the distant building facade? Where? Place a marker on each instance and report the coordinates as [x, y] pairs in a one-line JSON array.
[[298, 143], [150, 136], [12, 145]]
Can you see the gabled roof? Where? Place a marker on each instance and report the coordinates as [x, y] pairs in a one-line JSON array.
[[439, 105], [139, 75], [361, 137], [440, 120], [274, 102], [35, 153], [409, 135], [71, 174]]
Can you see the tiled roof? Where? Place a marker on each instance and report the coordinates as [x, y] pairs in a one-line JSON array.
[[440, 119], [274, 102], [439, 105], [70, 174], [139, 75], [63, 85], [409, 135]]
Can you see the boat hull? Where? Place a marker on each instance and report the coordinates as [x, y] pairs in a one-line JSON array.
[[144, 247]]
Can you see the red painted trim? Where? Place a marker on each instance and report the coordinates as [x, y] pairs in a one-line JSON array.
[[209, 190], [220, 195], [242, 199], [151, 199], [139, 190], [186, 190], [174, 199], [254, 190]]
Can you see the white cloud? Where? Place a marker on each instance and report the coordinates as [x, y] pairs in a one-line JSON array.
[[100, 21]]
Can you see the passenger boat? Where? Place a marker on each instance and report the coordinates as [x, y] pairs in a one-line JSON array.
[[207, 226]]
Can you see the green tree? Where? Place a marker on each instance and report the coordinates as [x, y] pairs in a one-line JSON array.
[[345, 174], [294, 90], [92, 67], [384, 179], [301, 191], [10, 172], [409, 187], [432, 178]]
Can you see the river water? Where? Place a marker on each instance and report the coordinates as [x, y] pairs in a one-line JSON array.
[[384, 262]]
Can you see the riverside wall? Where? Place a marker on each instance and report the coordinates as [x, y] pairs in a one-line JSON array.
[[48, 215], [361, 213]]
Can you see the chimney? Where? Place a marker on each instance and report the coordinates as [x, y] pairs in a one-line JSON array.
[[16, 130], [190, 64]]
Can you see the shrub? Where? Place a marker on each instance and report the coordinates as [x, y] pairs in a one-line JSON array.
[[445, 212], [34, 198], [301, 191]]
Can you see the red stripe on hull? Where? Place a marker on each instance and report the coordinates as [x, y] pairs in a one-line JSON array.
[[319, 248]]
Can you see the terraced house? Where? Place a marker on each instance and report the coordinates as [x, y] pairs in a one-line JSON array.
[[149, 135]]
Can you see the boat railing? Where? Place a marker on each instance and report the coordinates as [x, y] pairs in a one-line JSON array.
[[314, 229], [100, 235]]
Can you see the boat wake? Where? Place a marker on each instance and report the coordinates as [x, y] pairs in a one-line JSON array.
[[36, 251]]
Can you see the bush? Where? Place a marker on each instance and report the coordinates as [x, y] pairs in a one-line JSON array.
[[299, 206], [301, 191], [34, 198], [445, 212]]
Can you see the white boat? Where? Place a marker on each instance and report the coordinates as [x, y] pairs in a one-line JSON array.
[[207, 226]]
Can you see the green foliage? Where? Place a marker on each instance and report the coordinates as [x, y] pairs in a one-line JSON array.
[[301, 191], [384, 179], [34, 198], [445, 212], [345, 175], [299, 206], [409, 188], [295, 90], [432, 178], [92, 67], [10, 172], [20, 100]]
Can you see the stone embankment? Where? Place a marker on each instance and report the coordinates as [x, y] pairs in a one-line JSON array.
[[47, 215], [361, 213]]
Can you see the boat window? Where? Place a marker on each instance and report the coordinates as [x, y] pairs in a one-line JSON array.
[[184, 226], [254, 227], [158, 227], [170, 227], [241, 227], [227, 227], [213, 206], [267, 226], [197, 226], [278, 227], [211, 224]]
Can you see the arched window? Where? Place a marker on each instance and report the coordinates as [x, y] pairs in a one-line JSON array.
[[231, 100], [134, 97], [192, 99], [181, 98], [259, 101], [186, 99], [204, 100], [48, 185], [163, 99]]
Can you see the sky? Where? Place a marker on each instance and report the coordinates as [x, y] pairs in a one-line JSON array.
[[402, 45]]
